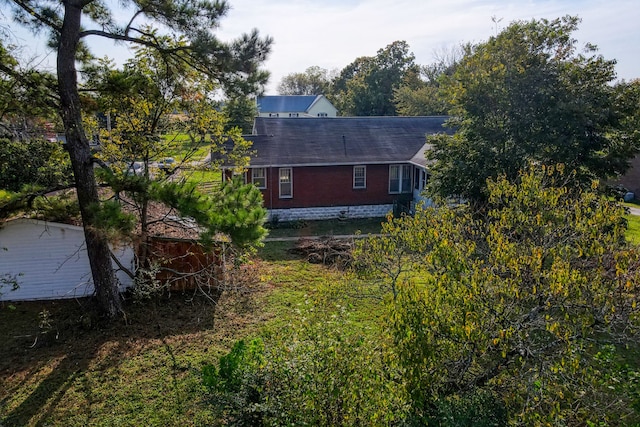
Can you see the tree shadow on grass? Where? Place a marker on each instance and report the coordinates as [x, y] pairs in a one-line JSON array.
[[37, 407], [43, 368]]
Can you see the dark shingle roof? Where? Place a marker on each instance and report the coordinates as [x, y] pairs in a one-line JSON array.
[[340, 140], [285, 104]]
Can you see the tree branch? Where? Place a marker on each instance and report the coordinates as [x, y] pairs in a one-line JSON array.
[[32, 12], [27, 199], [121, 267], [128, 27], [26, 81], [120, 37]]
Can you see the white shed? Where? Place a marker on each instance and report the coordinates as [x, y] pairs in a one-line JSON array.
[[49, 261]]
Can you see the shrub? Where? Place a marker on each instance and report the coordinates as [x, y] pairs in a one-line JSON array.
[[513, 302], [326, 372]]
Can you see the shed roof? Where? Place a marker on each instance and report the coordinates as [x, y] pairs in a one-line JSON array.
[[341, 140]]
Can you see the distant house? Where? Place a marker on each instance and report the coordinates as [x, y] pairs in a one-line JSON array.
[[354, 167], [49, 261], [295, 106], [631, 179]]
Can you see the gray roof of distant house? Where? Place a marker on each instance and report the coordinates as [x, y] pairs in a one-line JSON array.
[[341, 140], [285, 103]]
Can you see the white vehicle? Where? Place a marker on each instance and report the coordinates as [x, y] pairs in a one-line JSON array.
[[166, 163], [136, 168]]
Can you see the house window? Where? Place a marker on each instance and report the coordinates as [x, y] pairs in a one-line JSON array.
[[359, 177], [259, 177], [399, 179], [322, 114], [286, 182], [420, 179], [294, 114], [274, 115]]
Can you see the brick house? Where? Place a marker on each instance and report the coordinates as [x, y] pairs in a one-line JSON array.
[[354, 167]]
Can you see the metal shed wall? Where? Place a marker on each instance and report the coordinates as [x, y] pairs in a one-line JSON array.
[[50, 260]]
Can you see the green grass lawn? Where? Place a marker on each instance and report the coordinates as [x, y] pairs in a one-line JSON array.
[[633, 229], [633, 223], [65, 369], [180, 146], [204, 178], [326, 228], [61, 367]]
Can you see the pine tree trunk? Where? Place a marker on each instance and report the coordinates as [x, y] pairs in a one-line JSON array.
[[106, 286]]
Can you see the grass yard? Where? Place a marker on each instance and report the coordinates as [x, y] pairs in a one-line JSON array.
[[633, 223], [204, 178], [326, 228], [145, 371], [633, 229], [181, 146], [59, 367]]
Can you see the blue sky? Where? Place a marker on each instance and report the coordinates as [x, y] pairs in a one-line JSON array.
[[332, 33]]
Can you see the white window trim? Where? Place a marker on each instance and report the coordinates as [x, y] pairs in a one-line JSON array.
[[420, 178], [286, 196], [401, 178], [364, 168], [263, 177], [424, 179]]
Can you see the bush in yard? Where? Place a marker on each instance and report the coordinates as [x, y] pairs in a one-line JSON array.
[[325, 372], [518, 308], [237, 384]]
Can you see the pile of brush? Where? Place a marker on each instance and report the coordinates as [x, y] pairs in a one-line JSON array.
[[325, 250]]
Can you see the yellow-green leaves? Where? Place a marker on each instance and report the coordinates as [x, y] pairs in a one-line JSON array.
[[515, 299]]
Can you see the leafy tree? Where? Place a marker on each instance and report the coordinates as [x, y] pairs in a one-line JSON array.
[[35, 163], [526, 95], [531, 311], [314, 81], [27, 98], [142, 100], [627, 101], [422, 96], [420, 99], [30, 164], [235, 65], [241, 111], [366, 86]]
